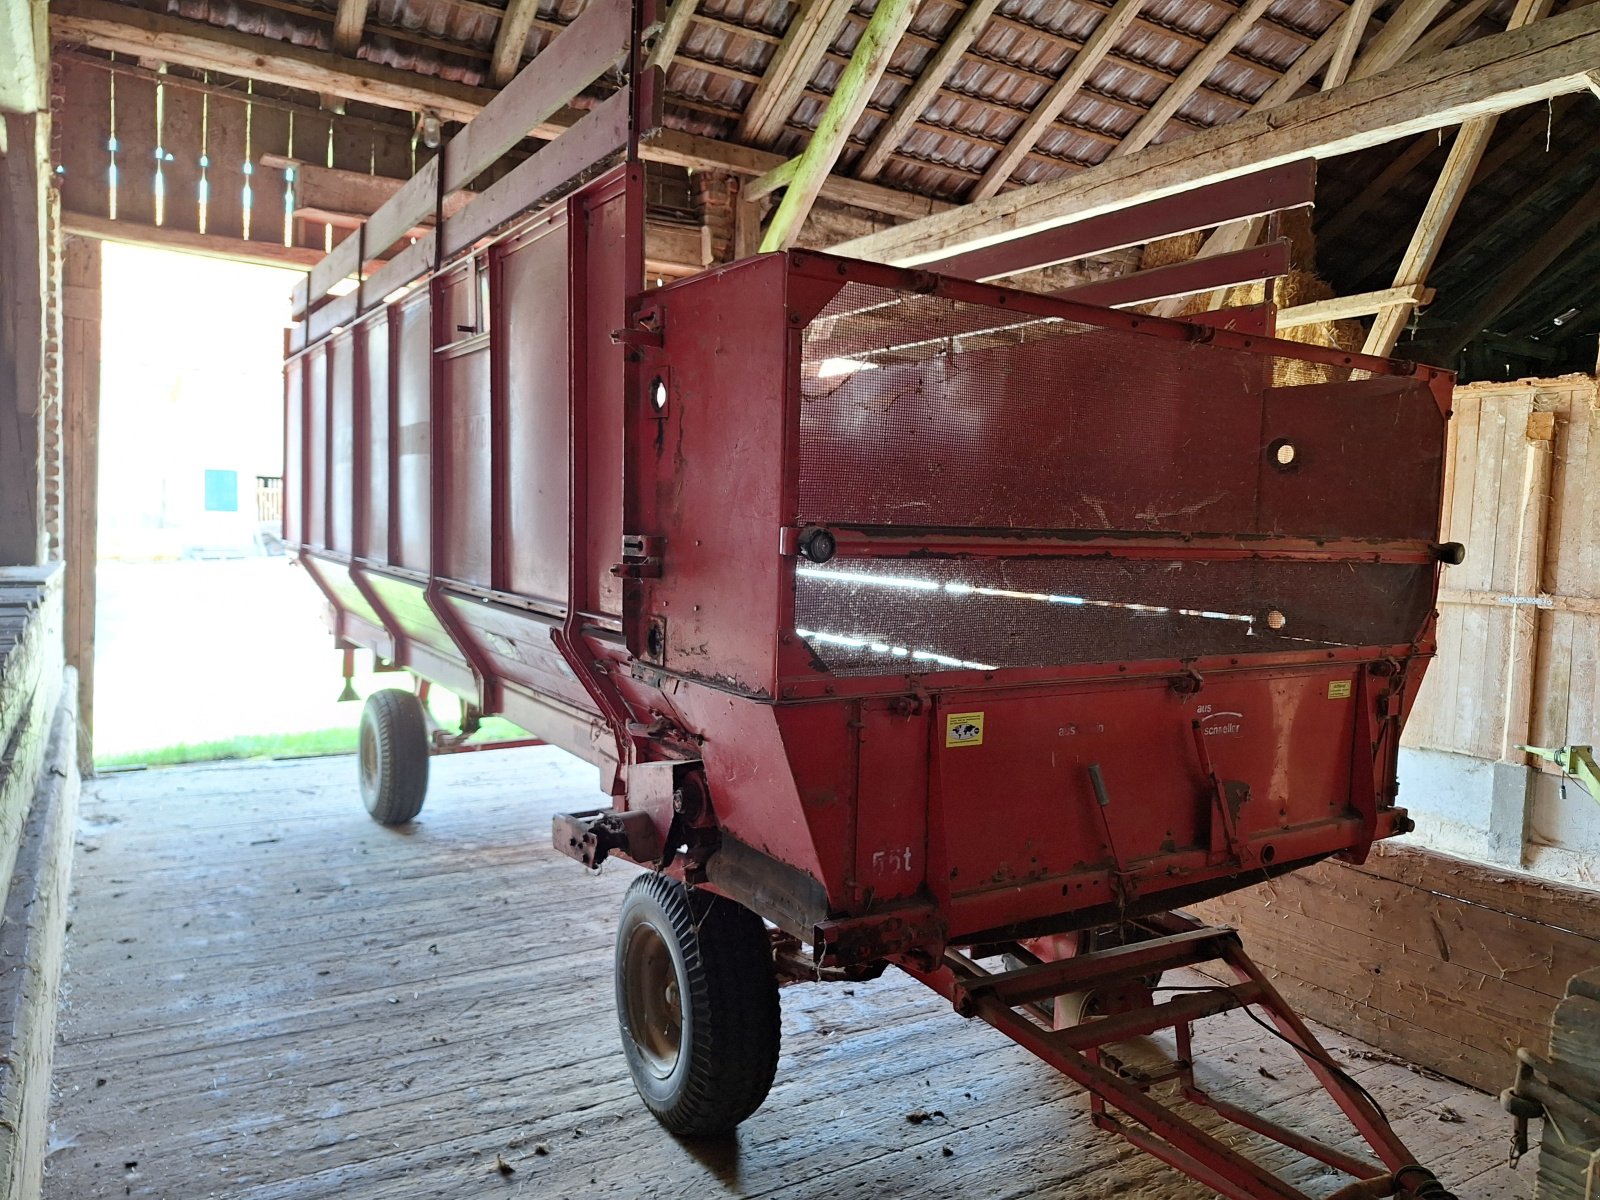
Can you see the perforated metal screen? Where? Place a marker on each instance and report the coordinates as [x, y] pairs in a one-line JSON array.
[[923, 413]]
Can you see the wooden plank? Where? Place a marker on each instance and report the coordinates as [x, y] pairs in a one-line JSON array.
[[1344, 308], [920, 94], [509, 1043], [1196, 73], [24, 283], [1084, 63], [851, 93], [80, 397], [1548, 58], [598, 39], [212, 245]]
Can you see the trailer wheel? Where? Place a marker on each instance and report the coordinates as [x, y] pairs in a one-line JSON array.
[[697, 1000], [393, 756]]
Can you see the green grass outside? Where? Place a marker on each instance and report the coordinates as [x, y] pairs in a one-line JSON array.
[[279, 745]]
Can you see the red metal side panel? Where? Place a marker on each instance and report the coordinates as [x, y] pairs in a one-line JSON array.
[[341, 434], [711, 470], [316, 465], [374, 396], [465, 409], [294, 447], [608, 283], [1342, 482], [533, 331], [413, 363]]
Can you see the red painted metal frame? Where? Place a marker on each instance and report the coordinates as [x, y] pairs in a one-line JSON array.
[[1186, 278], [1292, 185]]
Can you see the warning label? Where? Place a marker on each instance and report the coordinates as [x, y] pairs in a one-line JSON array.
[[963, 729]]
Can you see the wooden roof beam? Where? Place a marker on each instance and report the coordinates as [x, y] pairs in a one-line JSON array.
[[1409, 22], [1099, 44], [1495, 73], [348, 22], [922, 93], [1460, 168], [111, 26], [1351, 27], [808, 39], [673, 28], [1194, 75], [510, 40], [850, 95]]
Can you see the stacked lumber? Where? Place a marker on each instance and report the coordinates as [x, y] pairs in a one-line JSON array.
[[1569, 1152], [1446, 963]]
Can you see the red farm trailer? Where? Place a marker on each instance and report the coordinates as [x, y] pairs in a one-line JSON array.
[[910, 620]]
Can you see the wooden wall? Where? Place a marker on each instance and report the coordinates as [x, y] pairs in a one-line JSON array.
[[1519, 628], [1445, 963]]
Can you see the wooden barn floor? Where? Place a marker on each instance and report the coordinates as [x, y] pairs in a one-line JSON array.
[[268, 996]]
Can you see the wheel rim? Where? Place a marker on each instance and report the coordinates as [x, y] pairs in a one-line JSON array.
[[654, 1000]]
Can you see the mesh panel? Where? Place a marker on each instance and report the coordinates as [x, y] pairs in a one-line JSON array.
[[870, 616], [920, 411]]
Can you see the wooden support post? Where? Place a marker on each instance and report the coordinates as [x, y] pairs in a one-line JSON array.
[[1196, 73], [1100, 43], [850, 95], [921, 93], [81, 412], [24, 282]]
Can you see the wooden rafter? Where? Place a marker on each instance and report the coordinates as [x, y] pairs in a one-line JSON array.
[[1352, 27], [1353, 210], [348, 22], [510, 39], [872, 53], [1099, 44], [678, 19], [793, 64], [1510, 283], [1408, 23], [1442, 35], [1472, 139], [1196, 73], [921, 93], [1487, 76]]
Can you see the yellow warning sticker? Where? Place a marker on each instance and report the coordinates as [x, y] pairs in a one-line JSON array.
[[963, 729], [1339, 689]]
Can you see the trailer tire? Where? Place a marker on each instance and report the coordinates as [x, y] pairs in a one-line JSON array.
[[393, 756], [697, 1003]]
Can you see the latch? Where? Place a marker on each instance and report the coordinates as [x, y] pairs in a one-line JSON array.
[[641, 556]]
